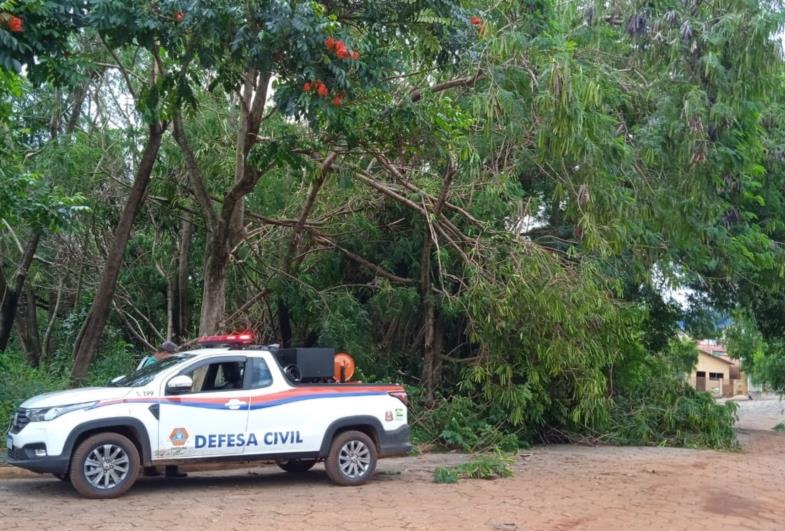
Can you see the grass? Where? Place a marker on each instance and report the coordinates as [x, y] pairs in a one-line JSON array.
[[780, 427]]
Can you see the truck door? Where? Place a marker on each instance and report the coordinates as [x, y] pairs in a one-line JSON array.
[[273, 424], [211, 418]]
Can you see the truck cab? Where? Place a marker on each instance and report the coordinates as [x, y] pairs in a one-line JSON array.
[[221, 403]]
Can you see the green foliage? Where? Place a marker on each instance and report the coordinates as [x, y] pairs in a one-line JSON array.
[[547, 344], [462, 423], [27, 196], [771, 367], [661, 408], [681, 356], [445, 475], [762, 359], [19, 381], [488, 466], [780, 427], [116, 358], [588, 160]]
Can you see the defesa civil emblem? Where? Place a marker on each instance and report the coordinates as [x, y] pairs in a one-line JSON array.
[[179, 436]]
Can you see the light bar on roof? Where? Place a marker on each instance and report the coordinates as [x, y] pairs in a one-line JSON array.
[[242, 338]]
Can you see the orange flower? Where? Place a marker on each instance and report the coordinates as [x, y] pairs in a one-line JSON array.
[[322, 90], [179, 16], [355, 55], [337, 101], [307, 86], [341, 51], [15, 24], [475, 20], [329, 42]]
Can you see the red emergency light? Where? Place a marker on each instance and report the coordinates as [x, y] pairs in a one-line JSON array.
[[241, 338]]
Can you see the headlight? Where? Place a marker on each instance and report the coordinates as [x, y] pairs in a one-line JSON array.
[[51, 413]]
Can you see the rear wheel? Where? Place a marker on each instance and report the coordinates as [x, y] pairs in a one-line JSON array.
[[296, 466], [104, 466], [352, 459]]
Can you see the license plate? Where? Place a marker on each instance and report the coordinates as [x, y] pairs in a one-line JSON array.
[[9, 442]]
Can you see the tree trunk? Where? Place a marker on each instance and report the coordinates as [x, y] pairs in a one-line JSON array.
[[93, 327], [214, 290], [182, 317], [429, 332], [78, 98], [54, 306], [27, 326], [10, 302], [226, 230]]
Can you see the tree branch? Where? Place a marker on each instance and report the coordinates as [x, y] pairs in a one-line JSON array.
[[362, 261], [406, 183], [246, 176], [123, 70], [194, 175], [136, 332], [313, 191], [416, 94]]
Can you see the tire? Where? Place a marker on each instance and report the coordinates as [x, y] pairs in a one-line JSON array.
[[296, 466], [94, 478], [352, 459]]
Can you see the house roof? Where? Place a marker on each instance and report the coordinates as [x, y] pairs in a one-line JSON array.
[[711, 346]]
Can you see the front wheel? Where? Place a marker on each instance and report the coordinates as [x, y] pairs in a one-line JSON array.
[[104, 466], [296, 466], [352, 459]]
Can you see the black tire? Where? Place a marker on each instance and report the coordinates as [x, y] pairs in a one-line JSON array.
[[341, 468], [101, 481], [296, 466], [63, 477]]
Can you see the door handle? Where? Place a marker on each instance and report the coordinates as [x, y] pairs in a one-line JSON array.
[[235, 404]]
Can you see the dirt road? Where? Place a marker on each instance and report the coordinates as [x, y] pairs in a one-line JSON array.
[[556, 488]]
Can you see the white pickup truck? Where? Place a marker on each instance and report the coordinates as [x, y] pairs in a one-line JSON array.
[[212, 404]]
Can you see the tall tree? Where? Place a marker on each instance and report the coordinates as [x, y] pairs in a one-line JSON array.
[[314, 52]]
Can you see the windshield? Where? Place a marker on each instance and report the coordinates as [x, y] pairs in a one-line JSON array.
[[146, 374]]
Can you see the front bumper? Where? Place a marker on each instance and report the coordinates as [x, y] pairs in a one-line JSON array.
[[25, 457], [395, 442]]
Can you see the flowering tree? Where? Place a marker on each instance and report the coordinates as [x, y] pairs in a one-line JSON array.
[[318, 58]]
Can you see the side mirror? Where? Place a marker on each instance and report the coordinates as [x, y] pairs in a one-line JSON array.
[[179, 384], [115, 380]]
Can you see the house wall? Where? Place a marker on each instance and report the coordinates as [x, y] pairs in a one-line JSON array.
[[708, 364]]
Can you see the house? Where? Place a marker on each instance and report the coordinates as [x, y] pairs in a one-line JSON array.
[[716, 372]]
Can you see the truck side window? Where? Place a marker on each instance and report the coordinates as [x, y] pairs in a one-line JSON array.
[[260, 375], [229, 376], [219, 376]]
